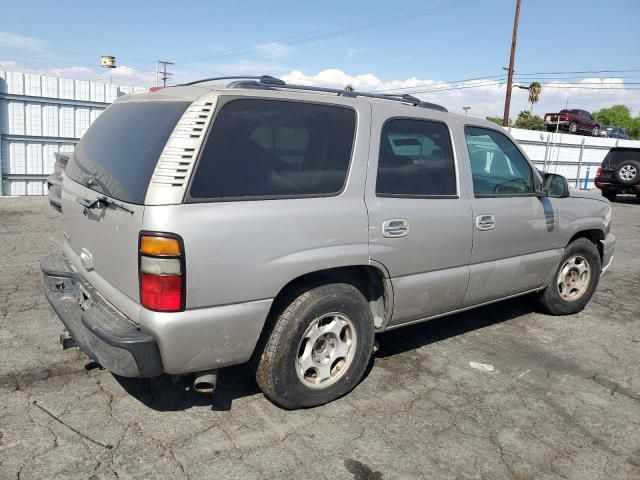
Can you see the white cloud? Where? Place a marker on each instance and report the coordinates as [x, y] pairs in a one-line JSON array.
[[273, 49], [487, 96], [15, 40]]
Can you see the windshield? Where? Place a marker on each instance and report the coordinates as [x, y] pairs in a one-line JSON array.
[[118, 154]]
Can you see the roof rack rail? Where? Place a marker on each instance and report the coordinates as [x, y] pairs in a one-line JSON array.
[[267, 81], [264, 79]]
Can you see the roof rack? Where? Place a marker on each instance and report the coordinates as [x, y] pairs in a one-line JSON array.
[[264, 79], [267, 81]]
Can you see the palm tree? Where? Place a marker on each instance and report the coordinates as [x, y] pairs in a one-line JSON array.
[[535, 89]]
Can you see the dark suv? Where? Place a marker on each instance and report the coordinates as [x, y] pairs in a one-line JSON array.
[[619, 173]]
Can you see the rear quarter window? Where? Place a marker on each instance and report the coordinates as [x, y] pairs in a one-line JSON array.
[[119, 152], [275, 149]]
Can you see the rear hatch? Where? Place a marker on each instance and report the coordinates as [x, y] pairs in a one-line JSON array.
[[114, 161]]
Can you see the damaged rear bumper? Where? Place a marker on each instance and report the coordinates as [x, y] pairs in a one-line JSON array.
[[102, 332]]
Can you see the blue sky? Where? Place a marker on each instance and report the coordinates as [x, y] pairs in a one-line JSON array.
[[373, 45]]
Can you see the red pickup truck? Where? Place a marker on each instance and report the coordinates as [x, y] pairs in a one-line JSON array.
[[572, 121]]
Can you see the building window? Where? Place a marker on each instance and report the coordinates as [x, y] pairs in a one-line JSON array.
[[34, 159], [82, 90], [67, 127], [16, 118], [34, 120], [82, 121], [16, 158], [66, 88], [50, 121]]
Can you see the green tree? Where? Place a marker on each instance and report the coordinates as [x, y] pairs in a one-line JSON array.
[[497, 120], [529, 122], [619, 116], [535, 89]]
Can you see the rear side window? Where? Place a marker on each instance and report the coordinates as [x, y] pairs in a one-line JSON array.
[[119, 152], [415, 160], [275, 149]]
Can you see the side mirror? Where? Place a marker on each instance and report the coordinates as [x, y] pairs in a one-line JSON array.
[[555, 185]]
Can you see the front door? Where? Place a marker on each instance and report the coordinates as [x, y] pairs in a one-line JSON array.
[[419, 222], [514, 229]]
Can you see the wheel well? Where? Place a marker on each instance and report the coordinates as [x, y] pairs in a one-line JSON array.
[[594, 236], [368, 279]]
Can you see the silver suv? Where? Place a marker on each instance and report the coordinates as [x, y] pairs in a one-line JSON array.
[[208, 226]]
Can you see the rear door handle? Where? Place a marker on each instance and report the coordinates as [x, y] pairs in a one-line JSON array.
[[485, 221], [396, 227]]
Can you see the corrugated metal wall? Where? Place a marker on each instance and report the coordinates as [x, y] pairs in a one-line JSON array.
[[41, 115], [574, 156]]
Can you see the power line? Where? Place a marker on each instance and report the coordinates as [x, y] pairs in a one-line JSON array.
[[502, 76], [589, 86], [346, 31], [486, 77]]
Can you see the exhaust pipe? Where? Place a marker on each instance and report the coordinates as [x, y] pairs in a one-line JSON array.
[[205, 382]]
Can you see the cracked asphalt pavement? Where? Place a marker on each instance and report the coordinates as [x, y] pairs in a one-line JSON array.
[[562, 401]]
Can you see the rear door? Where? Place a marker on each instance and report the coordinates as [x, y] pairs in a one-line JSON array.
[[114, 160], [419, 220]]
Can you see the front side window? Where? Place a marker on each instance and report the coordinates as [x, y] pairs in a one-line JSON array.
[[415, 160], [497, 166], [274, 149]]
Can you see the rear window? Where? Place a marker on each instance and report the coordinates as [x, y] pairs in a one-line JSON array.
[[617, 155], [118, 154], [275, 149]]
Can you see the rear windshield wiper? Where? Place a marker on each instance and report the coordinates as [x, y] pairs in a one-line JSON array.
[[102, 202]]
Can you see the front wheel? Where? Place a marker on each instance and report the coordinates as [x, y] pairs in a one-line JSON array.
[[575, 280], [319, 348]]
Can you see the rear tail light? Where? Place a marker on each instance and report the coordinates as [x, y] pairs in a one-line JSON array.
[[599, 171], [161, 272]]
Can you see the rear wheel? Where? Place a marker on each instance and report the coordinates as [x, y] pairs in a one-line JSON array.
[[595, 132], [319, 348], [575, 280], [611, 196], [573, 127]]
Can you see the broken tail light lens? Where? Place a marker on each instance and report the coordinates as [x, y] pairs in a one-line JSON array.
[[161, 272]]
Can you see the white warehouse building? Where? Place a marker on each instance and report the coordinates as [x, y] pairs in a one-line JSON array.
[[41, 115]]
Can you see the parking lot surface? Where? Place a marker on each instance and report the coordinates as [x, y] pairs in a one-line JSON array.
[[561, 401]]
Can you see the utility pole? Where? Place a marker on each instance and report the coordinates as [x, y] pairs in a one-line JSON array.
[[514, 39], [164, 74]]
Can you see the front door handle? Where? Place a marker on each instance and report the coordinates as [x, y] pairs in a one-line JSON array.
[[396, 227], [485, 221]]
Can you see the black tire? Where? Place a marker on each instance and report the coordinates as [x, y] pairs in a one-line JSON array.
[[595, 132], [609, 195], [627, 172], [573, 127], [276, 373], [550, 301]]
